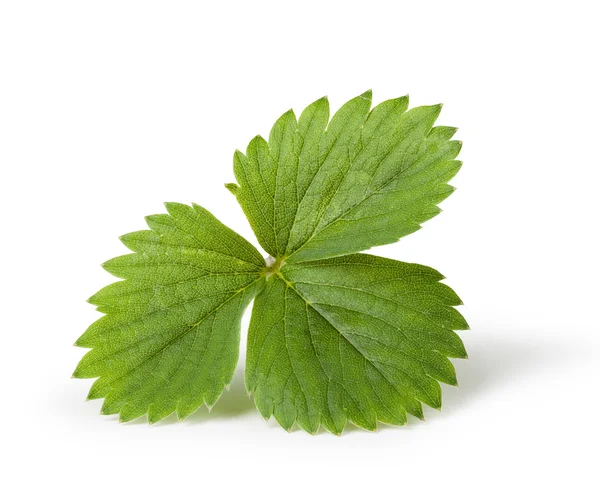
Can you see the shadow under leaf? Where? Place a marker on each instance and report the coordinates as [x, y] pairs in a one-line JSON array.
[[234, 402], [495, 360]]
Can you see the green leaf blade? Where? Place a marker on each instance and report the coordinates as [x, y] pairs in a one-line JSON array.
[[335, 336], [367, 178], [356, 338], [274, 178], [169, 339]]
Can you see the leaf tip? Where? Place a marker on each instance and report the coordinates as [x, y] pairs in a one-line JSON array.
[[232, 187], [123, 239], [93, 299], [437, 108], [368, 95], [171, 206]]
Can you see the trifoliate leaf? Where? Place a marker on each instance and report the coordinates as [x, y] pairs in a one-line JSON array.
[[357, 338], [334, 336], [317, 189], [170, 336]]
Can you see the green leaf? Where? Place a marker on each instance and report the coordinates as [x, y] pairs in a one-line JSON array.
[[169, 338], [335, 336], [357, 338], [318, 190]]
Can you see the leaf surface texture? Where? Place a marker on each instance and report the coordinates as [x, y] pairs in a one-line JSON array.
[[319, 189], [358, 338], [169, 338], [335, 336]]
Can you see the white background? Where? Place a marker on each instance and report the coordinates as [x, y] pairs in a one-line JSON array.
[[107, 109]]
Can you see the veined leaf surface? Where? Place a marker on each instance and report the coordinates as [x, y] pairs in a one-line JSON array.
[[357, 338], [169, 338], [319, 189], [335, 336]]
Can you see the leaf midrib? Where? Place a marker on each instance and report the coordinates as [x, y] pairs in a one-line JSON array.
[[364, 198], [188, 329], [362, 354]]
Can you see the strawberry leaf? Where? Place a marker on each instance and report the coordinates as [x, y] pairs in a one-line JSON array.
[[335, 336], [169, 339], [318, 190], [357, 338]]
